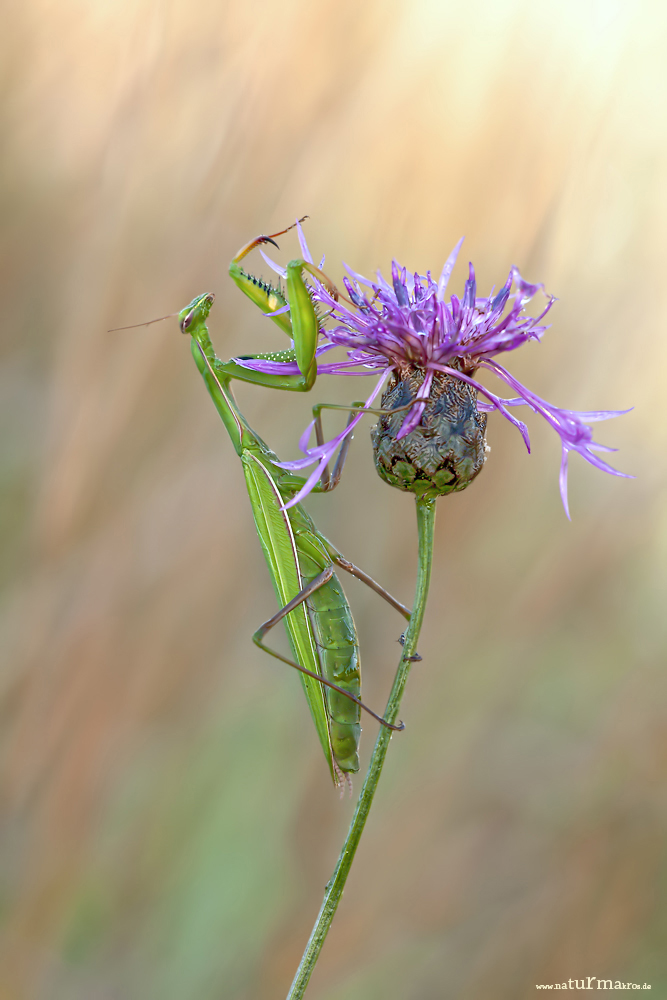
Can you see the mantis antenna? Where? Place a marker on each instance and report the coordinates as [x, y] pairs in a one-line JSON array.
[[134, 326]]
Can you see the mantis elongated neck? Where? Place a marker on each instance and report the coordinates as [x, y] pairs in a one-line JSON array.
[[218, 385]]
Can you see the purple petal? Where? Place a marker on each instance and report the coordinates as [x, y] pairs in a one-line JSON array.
[[298, 463], [278, 312], [357, 277], [525, 289], [268, 367], [570, 425], [381, 282], [566, 422], [354, 293], [272, 264], [590, 416], [305, 252], [470, 293], [305, 437], [601, 447], [498, 304], [309, 484], [414, 414], [447, 270], [602, 465], [340, 368], [398, 280], [563, 482]]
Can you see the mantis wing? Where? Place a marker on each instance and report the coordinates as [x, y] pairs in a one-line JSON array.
[[277, 538]]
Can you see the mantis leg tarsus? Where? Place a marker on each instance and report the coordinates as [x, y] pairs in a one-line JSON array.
[[302, 596], [262, 239], [415, 658]]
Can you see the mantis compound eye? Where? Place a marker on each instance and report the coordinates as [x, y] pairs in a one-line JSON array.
[[185, 323]]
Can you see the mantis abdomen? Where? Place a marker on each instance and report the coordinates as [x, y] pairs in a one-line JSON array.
[[338, 650], [335, 639]]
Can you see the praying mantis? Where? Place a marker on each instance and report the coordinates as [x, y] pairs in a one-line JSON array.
[[301, 561]]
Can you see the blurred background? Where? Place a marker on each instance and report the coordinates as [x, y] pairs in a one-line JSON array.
[[168, 822]]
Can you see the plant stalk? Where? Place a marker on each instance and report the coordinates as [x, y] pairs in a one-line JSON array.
[[335, 886]]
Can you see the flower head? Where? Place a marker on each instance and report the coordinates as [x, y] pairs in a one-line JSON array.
[[409, 329]]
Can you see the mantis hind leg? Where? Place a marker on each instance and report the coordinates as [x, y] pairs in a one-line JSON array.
[[302, 596], [353, 570], [359, 574]]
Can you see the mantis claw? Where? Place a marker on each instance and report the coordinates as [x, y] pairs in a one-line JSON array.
[[267, 239]]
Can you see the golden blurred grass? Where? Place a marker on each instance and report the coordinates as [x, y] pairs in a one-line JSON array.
[[168, 826]]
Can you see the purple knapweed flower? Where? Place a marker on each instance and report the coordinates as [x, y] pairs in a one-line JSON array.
[[432, 348]]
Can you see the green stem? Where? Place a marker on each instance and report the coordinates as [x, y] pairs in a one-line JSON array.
[[335, 886]]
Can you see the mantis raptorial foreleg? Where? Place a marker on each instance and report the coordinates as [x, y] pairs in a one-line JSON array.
[[292, 310]]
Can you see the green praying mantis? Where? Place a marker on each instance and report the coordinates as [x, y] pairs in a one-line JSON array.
[[301, 561]]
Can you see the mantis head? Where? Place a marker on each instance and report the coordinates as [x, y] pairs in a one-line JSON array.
[[195, 313]]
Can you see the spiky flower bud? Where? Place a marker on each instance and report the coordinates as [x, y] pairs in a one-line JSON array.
[[447, 448]]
